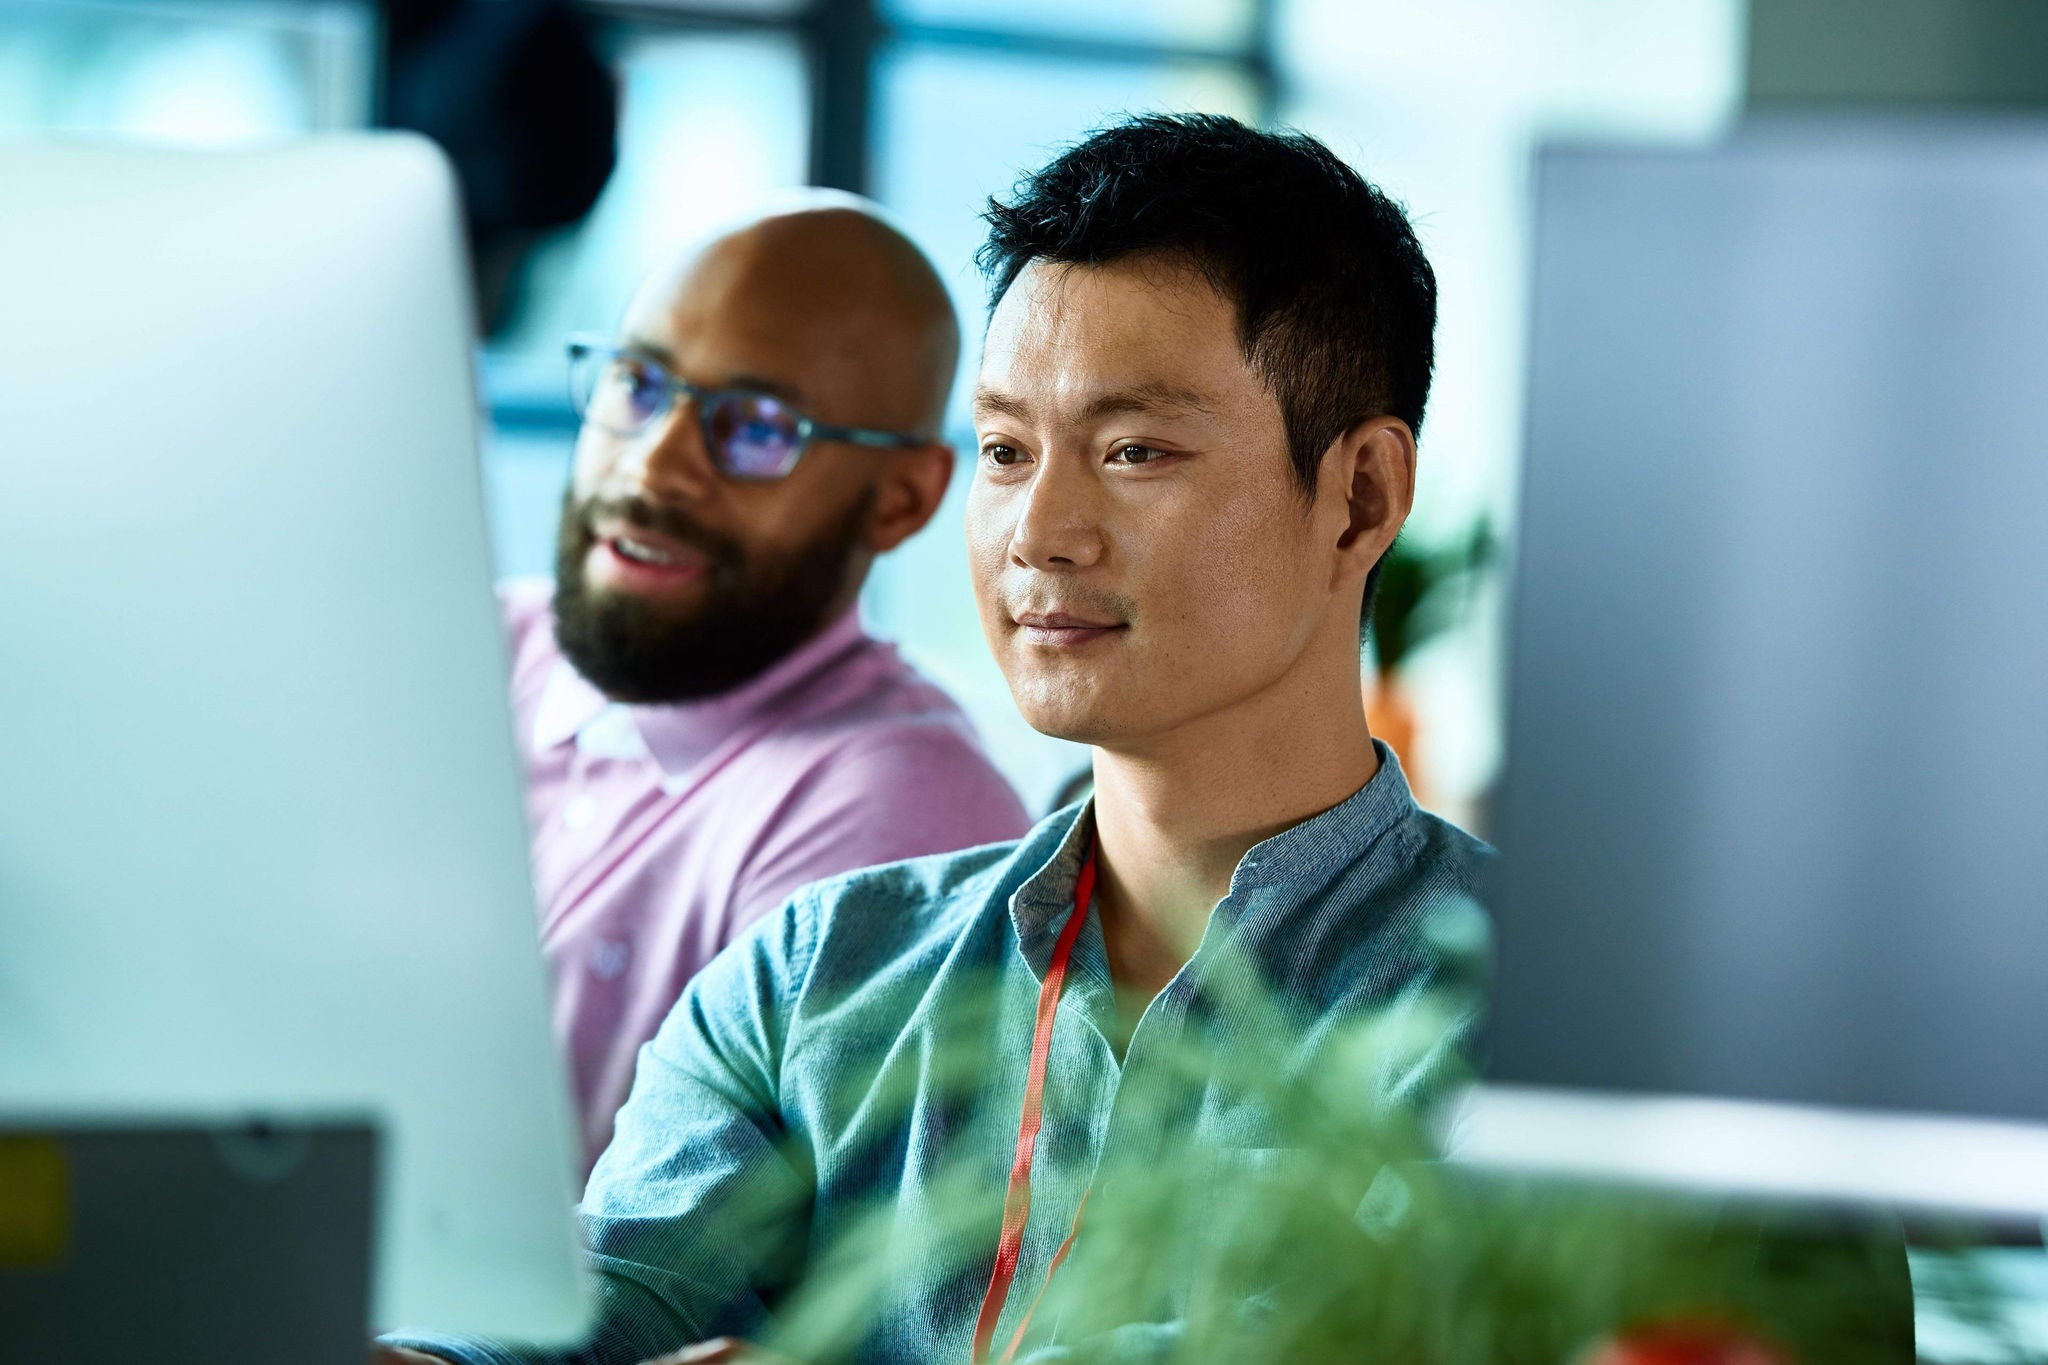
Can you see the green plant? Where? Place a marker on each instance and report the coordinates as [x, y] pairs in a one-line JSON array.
[[1424, 590], [1337, 1237]]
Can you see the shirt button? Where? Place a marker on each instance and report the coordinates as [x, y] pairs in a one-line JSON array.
[[580, 811], [608, 958]]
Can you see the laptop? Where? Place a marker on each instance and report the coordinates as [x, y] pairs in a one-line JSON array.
[[186, 1245]]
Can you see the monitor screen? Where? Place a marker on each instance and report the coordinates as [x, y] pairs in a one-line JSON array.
[[262, 843], [1778, 750]]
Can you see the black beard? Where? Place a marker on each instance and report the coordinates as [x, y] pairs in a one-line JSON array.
[[755, 610]]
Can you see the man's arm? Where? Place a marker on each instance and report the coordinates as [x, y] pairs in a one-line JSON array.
[[695, 1215]]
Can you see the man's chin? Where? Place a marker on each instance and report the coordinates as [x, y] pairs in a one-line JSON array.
[[638, 611], [1081, 720]]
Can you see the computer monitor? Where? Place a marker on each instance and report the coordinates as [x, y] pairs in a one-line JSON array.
[[262, 843], [1774, 906]]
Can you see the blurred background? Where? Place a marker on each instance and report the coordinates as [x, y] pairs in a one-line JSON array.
[[596, 137]]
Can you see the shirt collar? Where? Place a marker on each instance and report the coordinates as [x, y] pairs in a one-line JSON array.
[[1297, 862], [1039, 907], [678, 735], [1308, 856]]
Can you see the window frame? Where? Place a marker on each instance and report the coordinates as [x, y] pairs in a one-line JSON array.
[[842, 44], [842, 39]]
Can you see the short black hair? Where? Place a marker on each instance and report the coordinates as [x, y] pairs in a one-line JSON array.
[[1336, 302]]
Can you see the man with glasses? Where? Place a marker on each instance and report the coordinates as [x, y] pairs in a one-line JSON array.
[[705, 725]]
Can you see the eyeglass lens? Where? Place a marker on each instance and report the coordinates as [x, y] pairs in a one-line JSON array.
[[748, 435], [751, 435], [619, 393]]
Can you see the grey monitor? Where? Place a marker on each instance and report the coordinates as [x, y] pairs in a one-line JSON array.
[[1774, 913], [262, 848]]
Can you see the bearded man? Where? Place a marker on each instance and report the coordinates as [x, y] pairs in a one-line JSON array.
[[704, 723]]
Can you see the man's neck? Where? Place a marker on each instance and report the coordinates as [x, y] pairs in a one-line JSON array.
[[1175, 816]]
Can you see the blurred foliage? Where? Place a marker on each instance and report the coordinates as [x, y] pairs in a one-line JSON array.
[[1338, 1238], [1425, 590]]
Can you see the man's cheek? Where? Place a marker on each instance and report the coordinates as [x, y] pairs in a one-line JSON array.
[[588, 469], [989, 538]]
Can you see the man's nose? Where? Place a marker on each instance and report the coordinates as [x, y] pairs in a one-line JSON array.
[[1060, 523]]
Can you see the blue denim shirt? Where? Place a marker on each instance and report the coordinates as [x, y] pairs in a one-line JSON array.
[[868, 1044]]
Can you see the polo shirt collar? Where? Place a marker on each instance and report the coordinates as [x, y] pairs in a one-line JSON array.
[[678, 735]]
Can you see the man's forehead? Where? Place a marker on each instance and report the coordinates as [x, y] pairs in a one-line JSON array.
[[1094, 338], [721, 325], [839, 310], [710, 292], [730, 354], [1148, 285]]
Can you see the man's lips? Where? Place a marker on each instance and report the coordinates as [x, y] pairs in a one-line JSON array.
[[627, 555], [1064, 629]]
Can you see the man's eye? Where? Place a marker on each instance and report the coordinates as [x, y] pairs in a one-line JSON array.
[[1134, 454], [641, 382], [1001, 454]]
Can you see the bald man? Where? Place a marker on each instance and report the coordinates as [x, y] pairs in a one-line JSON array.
[[705, 725]]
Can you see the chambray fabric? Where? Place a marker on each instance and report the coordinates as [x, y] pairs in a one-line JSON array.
[[866, 1045]]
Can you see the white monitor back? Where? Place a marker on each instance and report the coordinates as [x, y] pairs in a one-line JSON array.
[[262, 848], [1775, 825]]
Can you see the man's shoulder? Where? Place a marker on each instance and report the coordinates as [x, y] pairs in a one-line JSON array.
[[907, 916], [877, 694], [906, 749], [1434, 894], [1448, 856], [932, 732], [935, 895]]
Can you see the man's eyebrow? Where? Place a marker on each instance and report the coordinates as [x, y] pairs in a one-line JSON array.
[[1167, 399], [995, 404], [774, 388], [653, 350]]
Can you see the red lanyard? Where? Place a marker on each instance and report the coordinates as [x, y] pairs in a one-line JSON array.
[[1017, 1204]]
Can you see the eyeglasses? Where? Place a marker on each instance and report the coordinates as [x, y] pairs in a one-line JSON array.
[[750, 435]]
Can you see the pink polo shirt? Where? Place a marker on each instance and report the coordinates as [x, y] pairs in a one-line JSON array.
[[660, 832]]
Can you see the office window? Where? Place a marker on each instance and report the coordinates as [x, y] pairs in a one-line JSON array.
[[204, 75], [1196, 23]]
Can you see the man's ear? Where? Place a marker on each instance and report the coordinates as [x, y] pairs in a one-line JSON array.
[[1375, 461], [908, 493]]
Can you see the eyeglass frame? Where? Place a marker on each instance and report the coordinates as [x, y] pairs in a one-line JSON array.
[[808, 429]]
